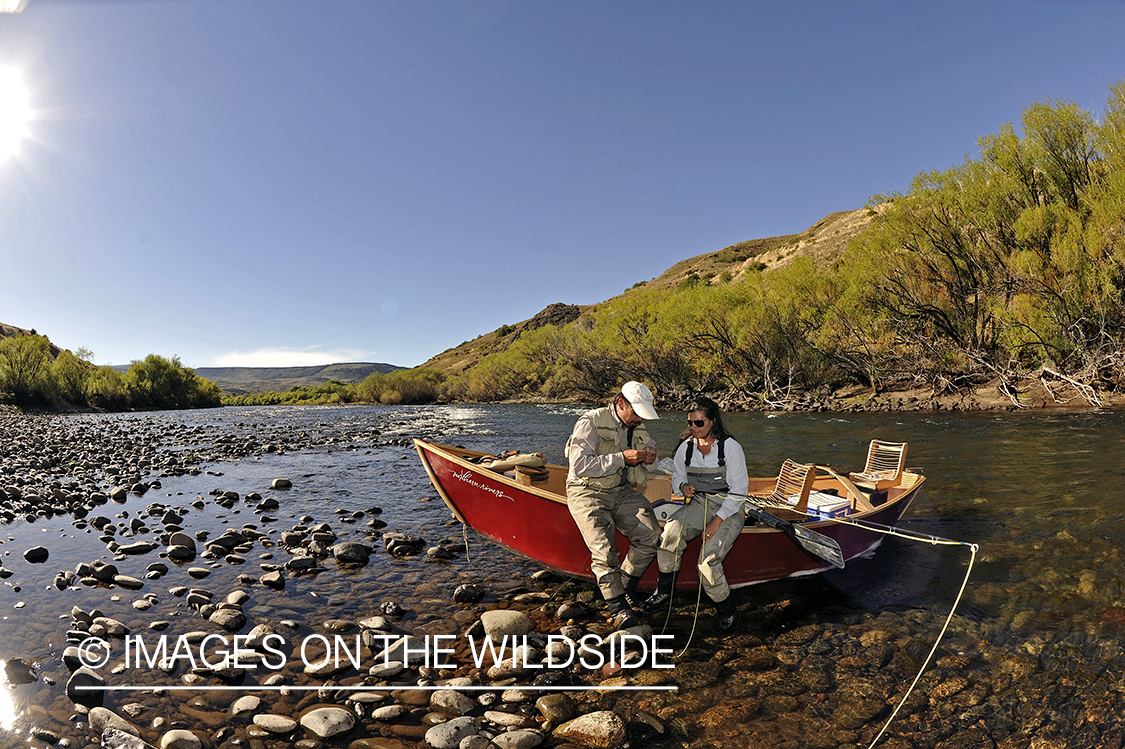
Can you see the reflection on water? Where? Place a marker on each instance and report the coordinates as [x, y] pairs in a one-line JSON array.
[[1043, 494], [8, 710]]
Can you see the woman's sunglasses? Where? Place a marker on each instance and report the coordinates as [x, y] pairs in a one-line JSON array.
[[697, 422]]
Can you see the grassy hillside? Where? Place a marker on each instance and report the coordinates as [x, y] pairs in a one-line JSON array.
[[824, 241], [463, 358], [11, 331]]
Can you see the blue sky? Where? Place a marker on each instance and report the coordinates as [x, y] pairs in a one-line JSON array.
[[274, 182]]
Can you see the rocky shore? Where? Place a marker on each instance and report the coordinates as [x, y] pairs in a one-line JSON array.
[[284, 679], [1028, 393]]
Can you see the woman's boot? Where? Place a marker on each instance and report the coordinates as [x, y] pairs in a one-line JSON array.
[[665, 592], [728, 615], [622, 615]]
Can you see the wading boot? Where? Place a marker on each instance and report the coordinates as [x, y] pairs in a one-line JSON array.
[[622, 615], [728, 616], [665, 592], [632, 595]]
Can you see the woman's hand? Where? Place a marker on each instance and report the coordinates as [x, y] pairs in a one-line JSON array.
[[712, 528]]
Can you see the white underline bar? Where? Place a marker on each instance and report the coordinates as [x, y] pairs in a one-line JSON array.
[[341, 688]]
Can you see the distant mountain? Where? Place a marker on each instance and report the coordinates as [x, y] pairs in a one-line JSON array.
[[239, 380]]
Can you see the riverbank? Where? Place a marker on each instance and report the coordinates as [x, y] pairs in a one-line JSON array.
[[1028, 393]]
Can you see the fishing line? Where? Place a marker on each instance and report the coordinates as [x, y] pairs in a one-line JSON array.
[[888, 530], [699, 584]]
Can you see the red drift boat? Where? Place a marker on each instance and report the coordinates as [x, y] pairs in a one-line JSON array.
[[526, 512]]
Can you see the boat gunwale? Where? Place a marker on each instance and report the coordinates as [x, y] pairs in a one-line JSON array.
[[456, 454]]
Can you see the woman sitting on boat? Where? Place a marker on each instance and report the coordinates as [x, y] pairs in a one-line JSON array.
[[707, 461]]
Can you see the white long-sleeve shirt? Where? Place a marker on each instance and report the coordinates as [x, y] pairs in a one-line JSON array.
[[737, 477]]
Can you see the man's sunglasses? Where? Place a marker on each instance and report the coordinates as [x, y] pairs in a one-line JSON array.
[[697, 422]]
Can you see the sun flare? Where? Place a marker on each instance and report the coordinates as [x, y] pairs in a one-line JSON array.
[[15, 111]]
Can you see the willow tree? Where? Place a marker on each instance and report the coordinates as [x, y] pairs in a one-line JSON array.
[[1011, 260], [25, 367]]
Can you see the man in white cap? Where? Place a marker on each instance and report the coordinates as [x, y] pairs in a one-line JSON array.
[[608, 451]]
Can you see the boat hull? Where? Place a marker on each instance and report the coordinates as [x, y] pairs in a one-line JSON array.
[[536, 523]]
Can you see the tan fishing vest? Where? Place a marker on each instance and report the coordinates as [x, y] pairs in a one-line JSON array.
[[605, 423]]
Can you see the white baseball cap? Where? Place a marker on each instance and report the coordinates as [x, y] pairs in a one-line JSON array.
[[640, 397]]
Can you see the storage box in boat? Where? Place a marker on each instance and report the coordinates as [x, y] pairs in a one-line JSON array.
[[827, 505]]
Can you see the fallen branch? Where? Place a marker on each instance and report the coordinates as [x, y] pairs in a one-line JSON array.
[[1054, 396], [1013, 397], [1087, 392]]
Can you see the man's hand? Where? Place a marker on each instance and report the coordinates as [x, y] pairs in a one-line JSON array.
[[636, 457]]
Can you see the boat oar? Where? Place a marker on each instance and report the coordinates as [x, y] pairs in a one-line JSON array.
[[817, 544]]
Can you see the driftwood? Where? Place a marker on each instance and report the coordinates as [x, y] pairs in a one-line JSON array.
[[1085, 391], [1012, 396]]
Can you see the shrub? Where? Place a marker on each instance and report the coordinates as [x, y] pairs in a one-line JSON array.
[[25, 368], [157, 382], [106, 389], [70, 375], [403, 386]]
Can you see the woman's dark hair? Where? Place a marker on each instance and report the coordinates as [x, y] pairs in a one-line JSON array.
[[711, 410]]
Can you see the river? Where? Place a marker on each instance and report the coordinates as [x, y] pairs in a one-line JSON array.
[[1032, 658]]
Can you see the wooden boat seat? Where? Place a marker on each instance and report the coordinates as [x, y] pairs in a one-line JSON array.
[[528, 476], [794, 483], [883, 469]]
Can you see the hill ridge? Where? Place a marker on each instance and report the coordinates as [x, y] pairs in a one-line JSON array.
[[824, 241], [240, 380]]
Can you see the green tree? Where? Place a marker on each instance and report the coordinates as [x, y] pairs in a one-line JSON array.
[[70, 375], [1013, 260], [158, 382], [107, 389], [25, 363]]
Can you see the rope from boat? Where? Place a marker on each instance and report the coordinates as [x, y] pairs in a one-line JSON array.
[[936, 541], [699, 584], [888, 530]]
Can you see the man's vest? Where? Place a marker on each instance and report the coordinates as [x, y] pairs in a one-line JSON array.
[[605, 424]]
